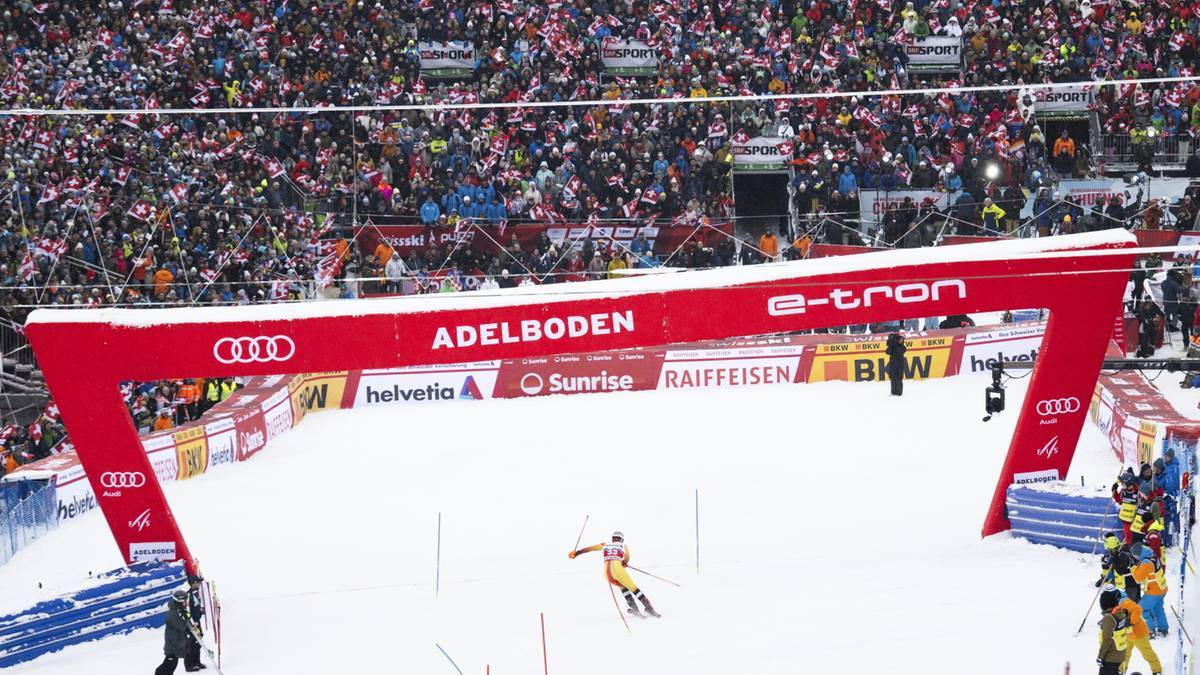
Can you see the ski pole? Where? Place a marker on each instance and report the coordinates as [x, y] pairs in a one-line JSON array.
[[580, 537], [1181, 626], [658, 577], [1089, 609], [618, 607]]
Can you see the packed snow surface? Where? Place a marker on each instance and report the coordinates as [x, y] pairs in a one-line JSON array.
[[839, 532]]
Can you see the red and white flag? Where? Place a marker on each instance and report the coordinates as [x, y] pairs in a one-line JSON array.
[[141, 210], [122, 175], [49, 194], [179, 193], [273, 167], [43, 140], [27, 267]]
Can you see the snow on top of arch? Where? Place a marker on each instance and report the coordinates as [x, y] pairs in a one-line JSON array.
[[587, 290]]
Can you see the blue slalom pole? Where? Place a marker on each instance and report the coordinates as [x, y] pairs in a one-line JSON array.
[[697, 530], [443, 651], [437, 580]]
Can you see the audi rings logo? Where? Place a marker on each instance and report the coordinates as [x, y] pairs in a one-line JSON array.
[[122, 479], [1057, 406], [532, 384], [261, 349]]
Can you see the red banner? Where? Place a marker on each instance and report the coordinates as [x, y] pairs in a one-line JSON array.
[[488, 239], [634, 370], [831, 250]]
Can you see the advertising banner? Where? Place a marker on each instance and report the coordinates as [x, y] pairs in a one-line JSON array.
[[935, 51], [759, 154], [222, 442], [872, 204], [866, 361], [319, 391], [1096, 192], [191, 449], [426, 384], [446, 59], [1063, 100], [983, 349], [632, 370], [407, 238], [252, 433], [732, 367], [628, 57]]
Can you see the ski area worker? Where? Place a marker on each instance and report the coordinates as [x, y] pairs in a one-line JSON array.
[[1147, 517], [1125, 494], [1149, 573], [1118, 564], [895, 364], [195, 608], [1114, 633], [1138, 636], [616, 557], [176, 642]]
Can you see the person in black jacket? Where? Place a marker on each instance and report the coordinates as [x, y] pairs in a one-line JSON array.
[[895, 364], [191, 663], [1148, 314], [177, 630]]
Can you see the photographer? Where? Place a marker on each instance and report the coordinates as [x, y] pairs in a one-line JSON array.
[[895, 364]]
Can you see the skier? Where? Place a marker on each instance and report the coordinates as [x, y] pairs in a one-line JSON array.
[[616, 557], [175, 646], [1114, 633], [191, 663], [1117, 567]]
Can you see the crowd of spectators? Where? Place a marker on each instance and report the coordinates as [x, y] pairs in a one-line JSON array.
[[130, 209]]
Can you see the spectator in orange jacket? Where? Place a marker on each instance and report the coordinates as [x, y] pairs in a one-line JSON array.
[[1064, 153], [768, 244], [164, 421]]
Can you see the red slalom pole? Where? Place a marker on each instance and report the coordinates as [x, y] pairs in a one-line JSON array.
[[545, 658], [618, 607]]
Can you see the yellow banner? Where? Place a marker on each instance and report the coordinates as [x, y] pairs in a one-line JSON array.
[[1147, 431], [867, 361], [317, 391], [191, 447]]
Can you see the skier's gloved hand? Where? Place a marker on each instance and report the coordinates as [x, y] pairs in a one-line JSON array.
[[572, 554], [1099, 581]]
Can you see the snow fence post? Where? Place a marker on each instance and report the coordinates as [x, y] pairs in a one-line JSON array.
[[443, 651], [697, 530], [437, 578]]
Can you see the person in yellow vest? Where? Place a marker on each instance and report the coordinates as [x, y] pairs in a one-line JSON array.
[[212, 394], [228, 386], [1150, 574], [1114, 633], [1125, 494], [616, 557], [1147, 518]]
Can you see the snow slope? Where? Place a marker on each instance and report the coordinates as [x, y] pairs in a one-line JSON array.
[[839, 532]]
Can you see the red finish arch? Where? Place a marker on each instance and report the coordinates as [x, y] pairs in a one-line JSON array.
[[84, 354]]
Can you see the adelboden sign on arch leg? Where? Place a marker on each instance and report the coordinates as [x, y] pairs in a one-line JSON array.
[[86, 353]]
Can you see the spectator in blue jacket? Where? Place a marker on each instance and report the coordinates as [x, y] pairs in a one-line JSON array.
[[430, 211], [847, 182], [1168, 476], [641, 248]]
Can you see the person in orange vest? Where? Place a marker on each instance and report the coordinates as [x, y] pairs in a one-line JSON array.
[[1139, 635], [164, 421], [1149, 573], [769, 245], [616, 557]]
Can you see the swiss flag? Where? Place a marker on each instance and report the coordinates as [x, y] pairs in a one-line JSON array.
[[49, 194], [650, 196], [122, 175], [134, 120], [27, 267], [141, 210], [500, 144], [273, 167], [179, 193], [43, 140], [740, 137]]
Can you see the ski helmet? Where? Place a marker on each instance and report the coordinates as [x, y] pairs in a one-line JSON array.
[[180, 594], [1111, 543], [618, 535], [1109, 598]]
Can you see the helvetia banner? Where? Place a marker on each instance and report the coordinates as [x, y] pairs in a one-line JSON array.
[[628, 57], [446, 59]]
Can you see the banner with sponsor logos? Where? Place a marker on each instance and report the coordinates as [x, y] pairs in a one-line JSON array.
[[424, 384], [446, 59], [628, 57], [85, 355], [866, 360], [663, 240], [1090, 193], [935, 51], [759, 154], [872, 204]]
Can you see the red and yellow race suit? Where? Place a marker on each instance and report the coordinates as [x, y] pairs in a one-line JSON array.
[[616, 556]]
